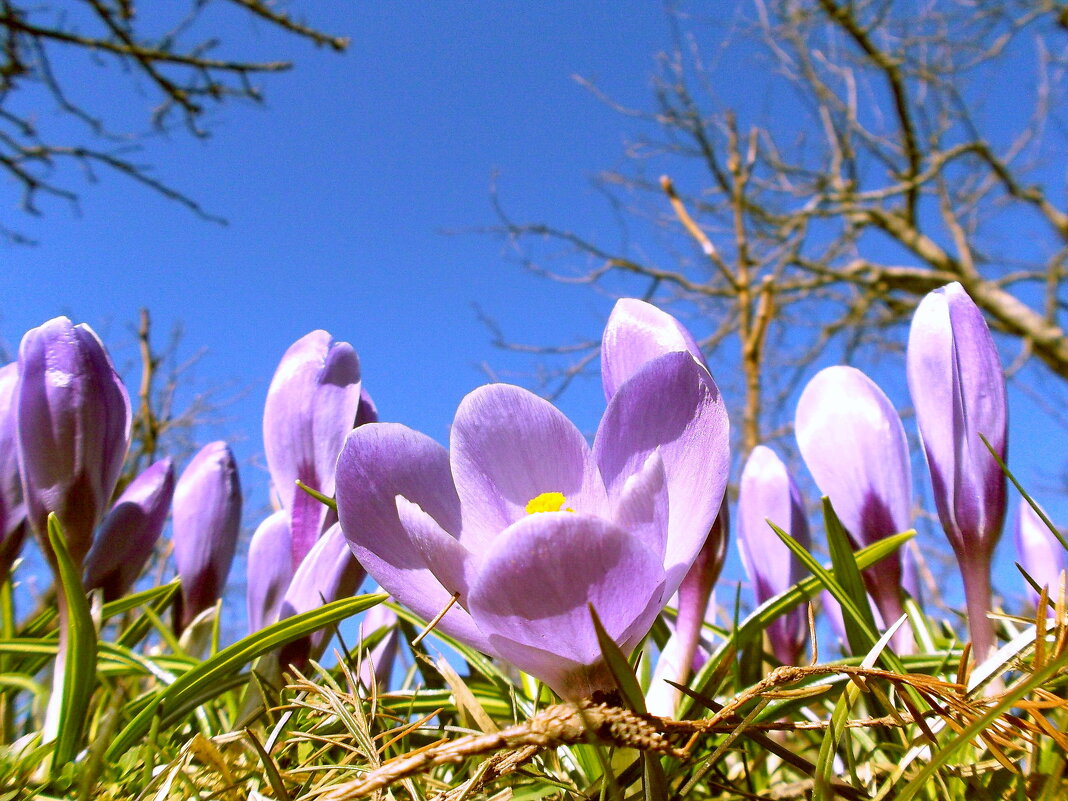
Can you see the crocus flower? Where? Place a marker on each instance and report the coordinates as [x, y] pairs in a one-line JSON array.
[[205, 524], [315, 399], [12, 509], [853, 443], [329, 572], [73, 430], [1039, 551], [130, 531], [768, 493], [958, 390], [312, 403], [528, 526], [269, 570], [636, 333]]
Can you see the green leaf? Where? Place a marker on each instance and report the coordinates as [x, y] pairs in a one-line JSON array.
[[654, 782], [1002, 705], [850, 579], [863, 631], [773, 608], [823, 785], [211, 677], [79, 654], [619, 666], [153, 595], [154, 602]]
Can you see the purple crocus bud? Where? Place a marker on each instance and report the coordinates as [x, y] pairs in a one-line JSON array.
[[73, 418], [12, 509], [269, 570], [528, 525], [958, 389], [327, 573], [312, 404], [636, 333], [206, 522], [768, 493], [377, 664], [130, 531], [853, 443], [1039, 551], [366, 412]]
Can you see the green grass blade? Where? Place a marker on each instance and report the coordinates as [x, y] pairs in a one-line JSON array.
[[204, 681], [477, 660], [763, 615], [864, 631], [823, 788], [79, 656], [620, 668], [923, 780], [850, 579], [150, 596]]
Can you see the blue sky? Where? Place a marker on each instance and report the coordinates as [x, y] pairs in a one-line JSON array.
[[340, 191]]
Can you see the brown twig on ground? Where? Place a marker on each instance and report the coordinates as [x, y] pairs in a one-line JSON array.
[[569, 724]]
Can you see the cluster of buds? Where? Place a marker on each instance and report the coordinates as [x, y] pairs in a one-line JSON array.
[[68, 412]]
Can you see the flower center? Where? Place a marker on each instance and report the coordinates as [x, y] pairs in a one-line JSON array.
[[548, 502]]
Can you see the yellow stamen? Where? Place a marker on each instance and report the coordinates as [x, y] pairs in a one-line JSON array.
[[548, 502]]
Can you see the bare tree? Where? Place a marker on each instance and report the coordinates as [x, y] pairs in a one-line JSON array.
[[166, 47], [877, 150]]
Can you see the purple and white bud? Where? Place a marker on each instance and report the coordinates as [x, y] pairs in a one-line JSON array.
[[958, 389], [1039, 551], [73, 418], [768, 493], [205, 527], [853, 443], [312, 404], [12, 509], [129, 533]]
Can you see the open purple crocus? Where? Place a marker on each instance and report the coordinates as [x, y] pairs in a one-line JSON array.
[[529, 526]]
